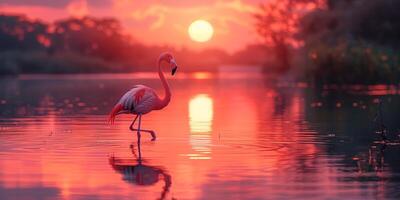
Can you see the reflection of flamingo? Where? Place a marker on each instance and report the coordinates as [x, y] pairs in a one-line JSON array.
[[141, 174], [142, 99]]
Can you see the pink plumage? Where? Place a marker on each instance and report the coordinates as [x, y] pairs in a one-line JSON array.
[[139, 100], [117, 108]]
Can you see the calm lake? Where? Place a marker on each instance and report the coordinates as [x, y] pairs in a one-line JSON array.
[[223, 136]]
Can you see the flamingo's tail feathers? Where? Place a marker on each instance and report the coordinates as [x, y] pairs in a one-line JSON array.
[[114, 113]]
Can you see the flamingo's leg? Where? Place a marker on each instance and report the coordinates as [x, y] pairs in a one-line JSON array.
[[152, 133], [131, 126], [138, 137]]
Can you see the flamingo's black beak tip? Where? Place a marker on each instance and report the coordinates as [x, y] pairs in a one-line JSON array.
[[174, 70]]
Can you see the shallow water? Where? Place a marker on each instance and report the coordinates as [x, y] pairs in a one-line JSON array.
[[221, 137]]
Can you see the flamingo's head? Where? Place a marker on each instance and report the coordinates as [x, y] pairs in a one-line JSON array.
[[167, 57]]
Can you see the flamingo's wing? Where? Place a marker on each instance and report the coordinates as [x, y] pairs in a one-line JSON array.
[[139, 98], [125, 104], [145, 100]]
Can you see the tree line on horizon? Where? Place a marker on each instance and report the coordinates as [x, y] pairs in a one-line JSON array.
[[97, 45]]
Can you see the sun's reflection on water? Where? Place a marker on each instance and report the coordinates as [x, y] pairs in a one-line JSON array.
[[200, 114], [200, 123]]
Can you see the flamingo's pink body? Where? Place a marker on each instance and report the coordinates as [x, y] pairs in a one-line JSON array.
[[142, 99], [139, 100]]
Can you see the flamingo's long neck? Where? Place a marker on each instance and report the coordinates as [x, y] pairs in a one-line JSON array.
[[167, 97]]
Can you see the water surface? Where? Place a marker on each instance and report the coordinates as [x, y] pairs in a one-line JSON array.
[[222, 137]]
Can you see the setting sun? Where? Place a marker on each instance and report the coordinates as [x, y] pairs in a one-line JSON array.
[[200, 31]]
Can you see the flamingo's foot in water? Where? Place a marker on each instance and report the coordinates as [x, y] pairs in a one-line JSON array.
[[153, 135]]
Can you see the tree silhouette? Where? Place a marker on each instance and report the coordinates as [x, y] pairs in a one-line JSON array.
[[277, 23], [90, 36], [17, 32]]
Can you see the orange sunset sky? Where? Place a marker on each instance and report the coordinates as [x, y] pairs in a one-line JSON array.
[[156, 22]]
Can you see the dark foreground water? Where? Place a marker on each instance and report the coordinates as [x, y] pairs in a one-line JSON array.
[[221, 137]]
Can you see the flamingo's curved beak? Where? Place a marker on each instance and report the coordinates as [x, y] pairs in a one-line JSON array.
[[174, 70], [174, 66]]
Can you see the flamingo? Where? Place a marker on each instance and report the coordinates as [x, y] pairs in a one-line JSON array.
[[141, 99]]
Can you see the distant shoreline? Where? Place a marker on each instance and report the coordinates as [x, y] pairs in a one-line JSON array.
[[137, 75]]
